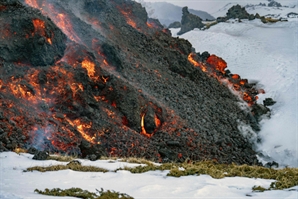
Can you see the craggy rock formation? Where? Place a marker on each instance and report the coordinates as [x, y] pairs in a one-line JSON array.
[[189, 21], [32, 38], [175, 24], [239, 12], [274, 4], [124, 87]]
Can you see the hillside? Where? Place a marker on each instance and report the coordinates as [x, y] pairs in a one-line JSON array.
[[172, 12]]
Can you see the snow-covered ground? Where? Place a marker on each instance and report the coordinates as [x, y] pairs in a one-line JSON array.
[[16, 184], [219, 8], [267, 53]]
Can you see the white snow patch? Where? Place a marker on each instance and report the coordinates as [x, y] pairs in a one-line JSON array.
[[16, 184]]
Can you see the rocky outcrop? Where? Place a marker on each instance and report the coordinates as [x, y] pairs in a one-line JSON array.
[[239, 12], [175, 24], [274, 4], [189, 21]]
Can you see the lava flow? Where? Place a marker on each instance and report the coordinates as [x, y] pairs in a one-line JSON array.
[[95, 78], [215, 66]]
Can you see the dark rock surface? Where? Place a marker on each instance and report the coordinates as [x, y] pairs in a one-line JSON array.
[[274, 4], [238, 12], [268, 102], [175, 24], [189, 21], [28, 38], [40, 155], [124, 87]]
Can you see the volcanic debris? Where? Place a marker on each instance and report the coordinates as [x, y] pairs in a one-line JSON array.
[[123, 86]]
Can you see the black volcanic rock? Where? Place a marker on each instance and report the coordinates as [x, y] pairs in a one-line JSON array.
[[189, 21], [274, 4], [124, 87], [238, 12], [175, 24], [28, 37], [40, 155]]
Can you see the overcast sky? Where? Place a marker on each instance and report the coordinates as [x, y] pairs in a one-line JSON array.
[[205, 5], [214, 5]]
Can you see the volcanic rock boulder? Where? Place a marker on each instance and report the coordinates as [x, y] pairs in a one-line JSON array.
[[28, 37], [239, 12], [189, 21], [175, 24]]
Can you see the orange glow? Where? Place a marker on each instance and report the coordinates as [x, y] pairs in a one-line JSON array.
[[76, 87], [246, 97], [32, 3], [143, 130], [114, 104], [64, 23], [39, 26], [243, 81], [157, 121], [195, 63], [217, 62], [90, 67], [235, 76], [105, 79], [49, 41], [105, 62], [128, 16], [149, 25], [81, 127]]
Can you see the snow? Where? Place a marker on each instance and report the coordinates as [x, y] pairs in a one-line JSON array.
[[219, 8], [17, 184], [266, 53]]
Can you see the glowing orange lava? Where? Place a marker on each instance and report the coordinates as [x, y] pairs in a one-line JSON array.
[[32, 3], [143, 130], [217, 62], [90, 67], [157, 121], [39, 28], [128, 17], [80, 126], [195, 63]]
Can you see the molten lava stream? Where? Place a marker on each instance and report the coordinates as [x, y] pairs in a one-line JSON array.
[[143, 130], [195, 63]]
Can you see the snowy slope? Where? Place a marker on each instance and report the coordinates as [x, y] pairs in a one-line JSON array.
[[219, 8], [268, 54], [16, 184], [253, 7]]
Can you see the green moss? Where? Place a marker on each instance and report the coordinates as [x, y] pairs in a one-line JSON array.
[[285, 178], [61, 158], [79, 193], [208, 25], [258, 189], [75, 167]]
